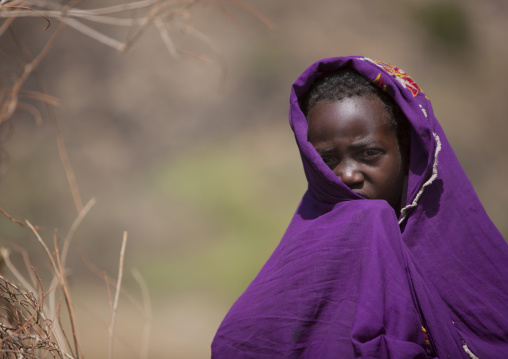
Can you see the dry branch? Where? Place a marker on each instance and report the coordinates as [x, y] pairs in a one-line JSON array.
[[17, 221], [147, 313], [111, 329]]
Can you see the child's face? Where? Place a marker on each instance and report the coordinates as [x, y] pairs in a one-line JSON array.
[[354, 138]]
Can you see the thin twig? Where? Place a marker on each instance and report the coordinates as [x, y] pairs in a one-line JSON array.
[[12, 219], [145, 340], [64, 158], [6, 25], [68, 302], [109, 282], [41, 298], [5, 253], [66, 246], [136, 5], [117, 295], [101, 274], [74, 226], [142, 28], [53, 321], [27, 262], [36, 95], [59, 325], [71, 178], [39, 239], [9, 106], [94, 34], [62, 151], [170, 45], [56, 14], [206, 40], [248, 8], [228, 15], [32, 110]]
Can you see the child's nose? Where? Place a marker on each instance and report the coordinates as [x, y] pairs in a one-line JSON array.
[[349, 173]]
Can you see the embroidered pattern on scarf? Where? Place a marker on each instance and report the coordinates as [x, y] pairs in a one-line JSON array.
[[398, 73]]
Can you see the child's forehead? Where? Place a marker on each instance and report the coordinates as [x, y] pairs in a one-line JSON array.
[[357, 111], [369, 106]]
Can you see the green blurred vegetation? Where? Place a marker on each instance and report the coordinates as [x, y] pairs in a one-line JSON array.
[[447, 26], [241, 205]]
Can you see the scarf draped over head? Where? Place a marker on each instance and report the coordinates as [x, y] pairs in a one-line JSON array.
[[350, 279]]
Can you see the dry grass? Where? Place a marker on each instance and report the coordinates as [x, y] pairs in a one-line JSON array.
[[24, 331], [32, 315], [36, 320]]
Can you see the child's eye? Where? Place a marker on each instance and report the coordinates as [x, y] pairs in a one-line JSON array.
[[328, 160], [370, 153]]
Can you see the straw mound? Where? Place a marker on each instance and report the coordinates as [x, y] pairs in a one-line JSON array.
[[24, 332]]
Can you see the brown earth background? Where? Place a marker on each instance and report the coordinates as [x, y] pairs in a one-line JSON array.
[[196, 159]]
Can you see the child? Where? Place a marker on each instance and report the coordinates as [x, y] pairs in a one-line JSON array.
[[390, 253], [360, 134]]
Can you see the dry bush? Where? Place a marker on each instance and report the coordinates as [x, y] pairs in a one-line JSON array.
[[38, 321], [33, 315], [24, 331]]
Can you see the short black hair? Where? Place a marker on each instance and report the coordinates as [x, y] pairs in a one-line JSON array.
[[345, 83]]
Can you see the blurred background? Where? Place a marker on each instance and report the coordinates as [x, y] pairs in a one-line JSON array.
[[193, 155]]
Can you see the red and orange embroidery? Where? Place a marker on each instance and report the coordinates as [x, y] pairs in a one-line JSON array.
[[396, 72]]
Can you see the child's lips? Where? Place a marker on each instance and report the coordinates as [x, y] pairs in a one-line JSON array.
[[361, 194]]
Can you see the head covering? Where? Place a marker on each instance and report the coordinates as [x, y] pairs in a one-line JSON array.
[[350, 279]]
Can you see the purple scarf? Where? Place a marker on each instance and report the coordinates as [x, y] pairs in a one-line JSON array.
[[350, 279]]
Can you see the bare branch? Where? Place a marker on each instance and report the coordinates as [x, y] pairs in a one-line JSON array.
[[74, 226], [170, 45], [46, 249], [145, 341], [12, 219], [117, 295], [68, 302], [9, 106]]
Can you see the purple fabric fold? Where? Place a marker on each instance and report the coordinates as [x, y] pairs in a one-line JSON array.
[[348, 279]]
